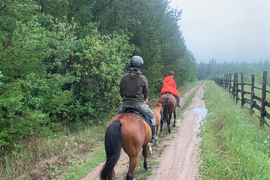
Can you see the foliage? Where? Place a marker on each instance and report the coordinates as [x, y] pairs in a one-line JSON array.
[[214, 69], [61, 61]]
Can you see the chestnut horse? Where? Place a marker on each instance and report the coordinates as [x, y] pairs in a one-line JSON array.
[[130, 132], [169, 106], [158, 112]]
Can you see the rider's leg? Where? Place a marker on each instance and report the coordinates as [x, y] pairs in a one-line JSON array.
[[145, 110], [178, 101]]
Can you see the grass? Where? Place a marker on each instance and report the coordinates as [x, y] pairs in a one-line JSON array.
[[80, 171], [36, 157], [233, 146]]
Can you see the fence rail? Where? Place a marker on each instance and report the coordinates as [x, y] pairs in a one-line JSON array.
[[232, 86]]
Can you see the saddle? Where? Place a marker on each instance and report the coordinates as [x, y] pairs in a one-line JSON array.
[[137, 112]]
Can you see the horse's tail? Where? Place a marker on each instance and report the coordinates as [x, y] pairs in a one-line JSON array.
[[113, 145], [165, 109]]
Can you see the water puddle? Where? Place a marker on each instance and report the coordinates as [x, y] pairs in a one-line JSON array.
[[202, 111]]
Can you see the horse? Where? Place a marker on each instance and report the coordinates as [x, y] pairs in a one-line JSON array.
[[169, 104], [158, 112], [131, 132]]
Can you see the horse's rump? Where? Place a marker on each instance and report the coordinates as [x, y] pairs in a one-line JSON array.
[[131, 125], [170, 105], [130, 132], [169, 100]]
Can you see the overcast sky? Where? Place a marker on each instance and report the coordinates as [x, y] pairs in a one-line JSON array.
[[226, 30]]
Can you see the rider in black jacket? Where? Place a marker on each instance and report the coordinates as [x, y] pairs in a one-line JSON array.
[[134, 92]]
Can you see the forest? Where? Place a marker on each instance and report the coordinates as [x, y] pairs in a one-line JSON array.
[[213, 69], [61, 60]]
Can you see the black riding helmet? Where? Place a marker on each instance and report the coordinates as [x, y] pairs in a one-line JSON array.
[[136, 61]]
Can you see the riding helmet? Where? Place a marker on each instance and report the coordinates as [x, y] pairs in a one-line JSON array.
[[136, 61]]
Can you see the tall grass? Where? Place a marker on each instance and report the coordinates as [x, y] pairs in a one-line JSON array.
[[47, 157], [233, 146]]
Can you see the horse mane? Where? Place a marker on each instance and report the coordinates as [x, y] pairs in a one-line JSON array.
[[157, 104]]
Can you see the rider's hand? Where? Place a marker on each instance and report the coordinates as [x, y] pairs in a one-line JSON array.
[[146, 101]]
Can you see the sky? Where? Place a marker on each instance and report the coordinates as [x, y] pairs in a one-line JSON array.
[[226, 30]]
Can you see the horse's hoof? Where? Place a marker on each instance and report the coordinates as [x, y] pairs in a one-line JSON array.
[[173, 125], [161, 134]]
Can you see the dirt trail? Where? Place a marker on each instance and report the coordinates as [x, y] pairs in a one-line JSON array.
[[179, 161]]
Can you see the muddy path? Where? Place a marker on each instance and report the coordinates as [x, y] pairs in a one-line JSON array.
[[180, 156]]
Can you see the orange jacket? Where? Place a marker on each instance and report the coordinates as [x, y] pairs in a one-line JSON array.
[[169, 85]]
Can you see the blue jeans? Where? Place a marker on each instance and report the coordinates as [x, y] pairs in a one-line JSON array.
[[143, 109]]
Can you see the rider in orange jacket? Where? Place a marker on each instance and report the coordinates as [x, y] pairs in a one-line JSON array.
[[169, 86]]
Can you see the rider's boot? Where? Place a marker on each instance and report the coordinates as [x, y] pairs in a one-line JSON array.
[[178, 101], [154, 137]]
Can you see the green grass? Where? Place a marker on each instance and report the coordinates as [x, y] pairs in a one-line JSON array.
[[233, 146], [80, 171], [51, 155]]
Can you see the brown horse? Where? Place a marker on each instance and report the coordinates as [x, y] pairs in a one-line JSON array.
[[169, 106], [130, 132], [158, 112]]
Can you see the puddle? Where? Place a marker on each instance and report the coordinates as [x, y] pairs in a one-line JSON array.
[[202, 111]]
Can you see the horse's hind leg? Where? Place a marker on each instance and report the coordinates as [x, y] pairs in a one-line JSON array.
[[132, 165], [169, 123], [161, 124], [144, 156], [174, 114]]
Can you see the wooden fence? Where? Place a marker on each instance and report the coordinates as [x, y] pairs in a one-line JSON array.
[[236, 89]]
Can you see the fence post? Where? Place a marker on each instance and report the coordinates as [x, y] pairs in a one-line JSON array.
[[222, 81], [262, 120], [252, 94], [236, 87], [226, 81], [230, 86], [242, 90], [233, 87]]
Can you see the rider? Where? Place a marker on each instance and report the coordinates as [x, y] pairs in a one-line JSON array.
[[134, 92], [169, 86]]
